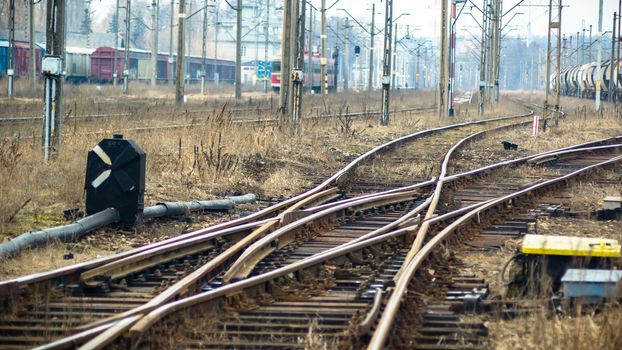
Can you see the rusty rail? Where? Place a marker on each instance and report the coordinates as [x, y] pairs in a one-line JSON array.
[[384, 326]]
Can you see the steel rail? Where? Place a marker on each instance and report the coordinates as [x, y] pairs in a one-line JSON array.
[[366, 325], [399, 221], [158, 114], [237, 287], [383, 328], [167, 296], [432, 220], [195, 276], [407, 219], [278, 239], [264, 225], [191, 280], [11, 285], [157, 314]]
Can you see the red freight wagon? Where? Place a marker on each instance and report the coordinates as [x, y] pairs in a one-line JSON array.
[[102, 63], [21, 57]]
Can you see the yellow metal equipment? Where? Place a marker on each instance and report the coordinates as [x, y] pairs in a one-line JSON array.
[[570, 246]]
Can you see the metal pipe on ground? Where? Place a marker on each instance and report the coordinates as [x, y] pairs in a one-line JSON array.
[[182, 208], [65, 233], [73, 231]]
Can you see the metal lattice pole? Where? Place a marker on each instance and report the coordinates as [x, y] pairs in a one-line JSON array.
[[11, 50], [266, 47], [155, 7], [126, 60], [298, 76], [179, 67], [204, 47], [31, 39], [323, 60], [442, 77], [370, 73], [115, 72], [238, 52], [285, 60], [386, 71], [611, 86], [483, 60]]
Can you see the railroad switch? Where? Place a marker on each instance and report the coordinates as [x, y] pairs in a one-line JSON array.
[[115, 178], [543, 260]]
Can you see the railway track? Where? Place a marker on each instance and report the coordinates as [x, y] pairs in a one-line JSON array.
[[291, 301], [96, 117], [504, 207], [112, 294], [129, 280], [240, 112], [238, 118]]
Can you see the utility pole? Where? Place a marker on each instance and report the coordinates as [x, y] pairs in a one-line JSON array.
[[116, 46], [612, 84], [442, 81], [452, 49], [204, 47], [310, 73], [266, 47], [583, 44], [11, 52], [496, 49], [394, 66], [31, 39], [589, 46], [386, 71], [578, 64], [482, 60], [285, 59], [599, 55], [179, 67], [55, 42], [417, 71], [555, 29], [293, 51], [346, 58], [298, 75], [170, 44], [615, 97], [324, 76], [216, 26], [238, 52], [370, 74], [126, 61], [490, 50], [155, 8]]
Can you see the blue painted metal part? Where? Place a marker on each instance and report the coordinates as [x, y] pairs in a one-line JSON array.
[[580, 283]]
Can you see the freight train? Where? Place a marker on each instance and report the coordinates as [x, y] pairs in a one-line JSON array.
[[581, 80], [96, 65]]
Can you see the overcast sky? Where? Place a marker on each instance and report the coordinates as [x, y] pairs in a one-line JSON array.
[[424, 14]]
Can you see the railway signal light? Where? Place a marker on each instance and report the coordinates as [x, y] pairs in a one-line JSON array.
[[115, 178], [357, 50]]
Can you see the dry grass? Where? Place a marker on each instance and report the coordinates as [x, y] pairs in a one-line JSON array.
[[591, 331], [574, 129], [214, 158]]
